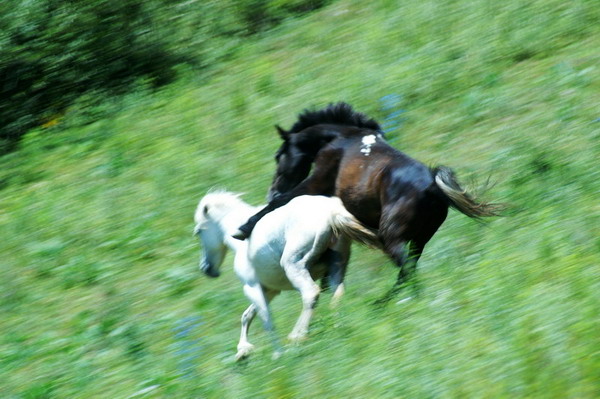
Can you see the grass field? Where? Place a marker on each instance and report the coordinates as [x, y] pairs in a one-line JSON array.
[[100, 292]]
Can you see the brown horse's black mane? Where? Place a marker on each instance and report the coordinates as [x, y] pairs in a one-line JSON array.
[[335, 114]]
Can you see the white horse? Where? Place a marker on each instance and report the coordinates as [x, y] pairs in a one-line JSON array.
[[285, 252]]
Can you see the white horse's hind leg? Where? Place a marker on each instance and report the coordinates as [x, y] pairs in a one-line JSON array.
[[260, 299], [301, 280], [244, 347]]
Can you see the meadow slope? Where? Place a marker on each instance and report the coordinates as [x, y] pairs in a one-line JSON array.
[[100, 292]]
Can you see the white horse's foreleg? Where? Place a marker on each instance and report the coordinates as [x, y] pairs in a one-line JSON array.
[[260, 299], [244, 347], [301, 280]]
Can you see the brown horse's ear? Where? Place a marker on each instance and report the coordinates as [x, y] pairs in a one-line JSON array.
[[282, 133]]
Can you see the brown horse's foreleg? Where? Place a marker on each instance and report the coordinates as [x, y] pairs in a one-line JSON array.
[[245, 230], [321, 182], [337, 264]]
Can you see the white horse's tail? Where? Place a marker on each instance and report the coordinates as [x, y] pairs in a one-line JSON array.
[[342, 222]]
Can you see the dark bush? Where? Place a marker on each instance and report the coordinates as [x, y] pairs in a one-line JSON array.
[[53, 51]]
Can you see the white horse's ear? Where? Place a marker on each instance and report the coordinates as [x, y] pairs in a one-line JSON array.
[[197, 229], [200, 218]]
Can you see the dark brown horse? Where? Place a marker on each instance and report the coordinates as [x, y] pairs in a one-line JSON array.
[[381, 186]]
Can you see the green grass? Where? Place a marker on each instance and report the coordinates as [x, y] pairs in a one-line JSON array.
[[99, 288]]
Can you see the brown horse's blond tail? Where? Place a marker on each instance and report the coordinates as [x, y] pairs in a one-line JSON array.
[[460, 199], [342, 222]]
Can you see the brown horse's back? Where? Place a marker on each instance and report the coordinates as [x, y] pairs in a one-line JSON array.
[[373, 183], [358, 184]]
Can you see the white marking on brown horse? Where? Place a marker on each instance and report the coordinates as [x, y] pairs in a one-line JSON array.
[[367, 142]]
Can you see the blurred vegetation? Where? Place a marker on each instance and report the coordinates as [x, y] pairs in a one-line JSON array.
[[52, 52], [99, 287]]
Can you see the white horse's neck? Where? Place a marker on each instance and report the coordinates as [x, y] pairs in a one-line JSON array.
[[230, 221], [230, 225]]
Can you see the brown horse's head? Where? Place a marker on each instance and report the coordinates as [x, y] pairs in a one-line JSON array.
[[293, 164], [313, 130]]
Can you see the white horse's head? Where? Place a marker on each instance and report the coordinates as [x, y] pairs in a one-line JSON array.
[[209, 218]]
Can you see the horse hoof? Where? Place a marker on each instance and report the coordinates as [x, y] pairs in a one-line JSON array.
[[243, 353], [239, 235], [297, 338], [401, 301], [277, 354]]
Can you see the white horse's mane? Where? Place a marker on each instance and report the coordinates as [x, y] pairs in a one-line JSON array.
[[215, 204]]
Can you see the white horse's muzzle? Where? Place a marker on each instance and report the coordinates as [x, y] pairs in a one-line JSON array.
[[209, 269]]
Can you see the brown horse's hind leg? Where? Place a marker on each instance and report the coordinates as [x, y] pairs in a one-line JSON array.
[[405, 255], [409, 265], [407, 224]]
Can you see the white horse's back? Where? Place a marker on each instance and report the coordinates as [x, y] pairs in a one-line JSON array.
[[303, 230], [295, 230]]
